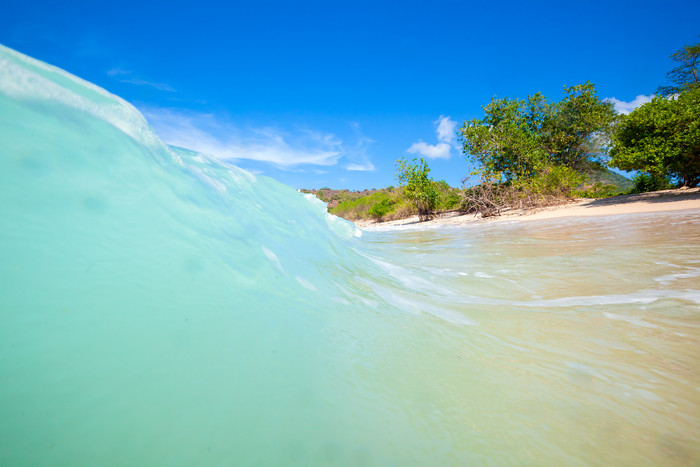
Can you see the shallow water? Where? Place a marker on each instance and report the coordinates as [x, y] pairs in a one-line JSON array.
[[158, 307], [584, 336]]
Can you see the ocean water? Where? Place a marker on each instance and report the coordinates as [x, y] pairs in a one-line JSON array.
[[159, 307]]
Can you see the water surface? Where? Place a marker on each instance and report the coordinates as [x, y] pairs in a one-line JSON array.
[[159, 307]]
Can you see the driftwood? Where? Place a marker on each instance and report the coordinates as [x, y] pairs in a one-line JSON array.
[[490, 199]]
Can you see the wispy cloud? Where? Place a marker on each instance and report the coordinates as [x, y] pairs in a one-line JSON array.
[[126, 76], [367, 166], [357, 154], [627, 107], [447, 139], [116, 71], [285, 149]]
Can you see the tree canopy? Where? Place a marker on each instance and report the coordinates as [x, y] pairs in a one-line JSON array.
[[686, 75], [578, 128], [507, 142], [518, 139], [661, 138]]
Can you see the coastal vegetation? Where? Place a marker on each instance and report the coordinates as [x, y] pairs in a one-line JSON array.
[[661, 139], [533, 152], [386, 204], [391, 203], [685, 76], [418, 188]]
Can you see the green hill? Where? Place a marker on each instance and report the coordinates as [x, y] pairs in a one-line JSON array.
[[608, 177]]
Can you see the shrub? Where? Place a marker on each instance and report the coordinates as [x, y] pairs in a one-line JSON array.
[[560, 181], [380, 208], [417, 186], [377, 205], [448, 198], [549, 186], [645, 182]]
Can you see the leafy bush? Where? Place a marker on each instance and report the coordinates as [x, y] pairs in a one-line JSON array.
[[448, 198], [377, 205], [418, 187], [553, 181], [645, 182], [352, 209], [380, 208]]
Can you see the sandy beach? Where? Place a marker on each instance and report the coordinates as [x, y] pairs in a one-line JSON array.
[[667, 200]]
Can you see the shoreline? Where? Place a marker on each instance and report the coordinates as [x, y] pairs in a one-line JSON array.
[[656, 201]]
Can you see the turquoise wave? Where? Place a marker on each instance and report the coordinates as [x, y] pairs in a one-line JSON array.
[[156, 303]]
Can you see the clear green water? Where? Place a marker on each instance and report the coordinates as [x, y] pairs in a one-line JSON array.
[[160, 308]]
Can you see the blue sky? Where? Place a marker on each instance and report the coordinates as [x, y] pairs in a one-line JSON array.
[[330, 93]]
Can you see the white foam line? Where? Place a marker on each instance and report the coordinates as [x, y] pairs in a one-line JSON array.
[[692, 272], [642, 297]]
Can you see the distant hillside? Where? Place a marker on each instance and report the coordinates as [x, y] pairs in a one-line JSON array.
[[608, 177], [335, 197], [385, 204]]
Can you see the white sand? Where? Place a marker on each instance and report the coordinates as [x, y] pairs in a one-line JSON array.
[[658, 201]]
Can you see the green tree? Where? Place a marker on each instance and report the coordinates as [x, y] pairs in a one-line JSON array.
[[506, 144], [522, 139], [417, 186], [577, 129], [661, 138], [686, 75]]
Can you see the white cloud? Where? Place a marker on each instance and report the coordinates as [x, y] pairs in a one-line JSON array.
[[437, 151], [223, 139], [366, 167], [627, 107], [446, 130], [447, 139]]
